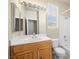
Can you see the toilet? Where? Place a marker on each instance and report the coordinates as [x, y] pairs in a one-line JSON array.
[[59, 52]]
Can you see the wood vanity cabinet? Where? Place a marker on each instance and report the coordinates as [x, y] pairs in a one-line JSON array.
[[38, 50]]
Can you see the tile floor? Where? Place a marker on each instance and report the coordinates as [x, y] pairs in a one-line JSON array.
[[66, 57]]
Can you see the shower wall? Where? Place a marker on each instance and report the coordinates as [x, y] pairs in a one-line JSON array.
[[64, 31]]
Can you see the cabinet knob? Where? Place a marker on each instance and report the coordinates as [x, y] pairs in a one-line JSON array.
[[40, 57]]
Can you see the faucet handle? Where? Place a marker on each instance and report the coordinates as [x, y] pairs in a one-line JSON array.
[[33, 33]]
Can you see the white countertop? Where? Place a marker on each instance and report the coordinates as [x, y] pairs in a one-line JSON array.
[[28, 39]]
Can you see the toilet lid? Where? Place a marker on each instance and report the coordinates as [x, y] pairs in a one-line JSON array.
[[60, 50]]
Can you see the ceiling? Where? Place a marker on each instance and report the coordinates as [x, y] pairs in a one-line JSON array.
[[67, 2], [64, 1]]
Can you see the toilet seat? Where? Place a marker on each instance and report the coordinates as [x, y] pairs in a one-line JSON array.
[[60, 51]]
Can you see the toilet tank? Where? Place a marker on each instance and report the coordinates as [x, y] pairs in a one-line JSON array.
[[55, 43]]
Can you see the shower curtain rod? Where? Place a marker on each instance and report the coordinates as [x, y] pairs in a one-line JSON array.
[[65, 11]]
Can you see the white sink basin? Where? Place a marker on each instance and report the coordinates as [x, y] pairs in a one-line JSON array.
[[28, 39]]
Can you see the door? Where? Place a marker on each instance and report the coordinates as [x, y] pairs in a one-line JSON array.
[[26, 55], [44, 53]]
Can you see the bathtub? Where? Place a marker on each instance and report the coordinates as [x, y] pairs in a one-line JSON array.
[[66, 47]]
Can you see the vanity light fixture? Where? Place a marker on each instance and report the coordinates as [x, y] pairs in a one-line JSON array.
[[24, 3], [35, 6]]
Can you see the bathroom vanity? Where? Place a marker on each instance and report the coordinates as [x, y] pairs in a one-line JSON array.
[[33, 49]]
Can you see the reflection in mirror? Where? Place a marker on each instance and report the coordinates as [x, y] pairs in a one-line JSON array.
[[21, 24], [25, 26], [32, 27], [18, 24]]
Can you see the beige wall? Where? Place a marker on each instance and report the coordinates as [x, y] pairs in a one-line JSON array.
[[53, 33], [31, 14], [42, 22]]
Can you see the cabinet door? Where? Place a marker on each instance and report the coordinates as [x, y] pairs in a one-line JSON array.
[[18, 57], [44, 53], [26, 55]]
